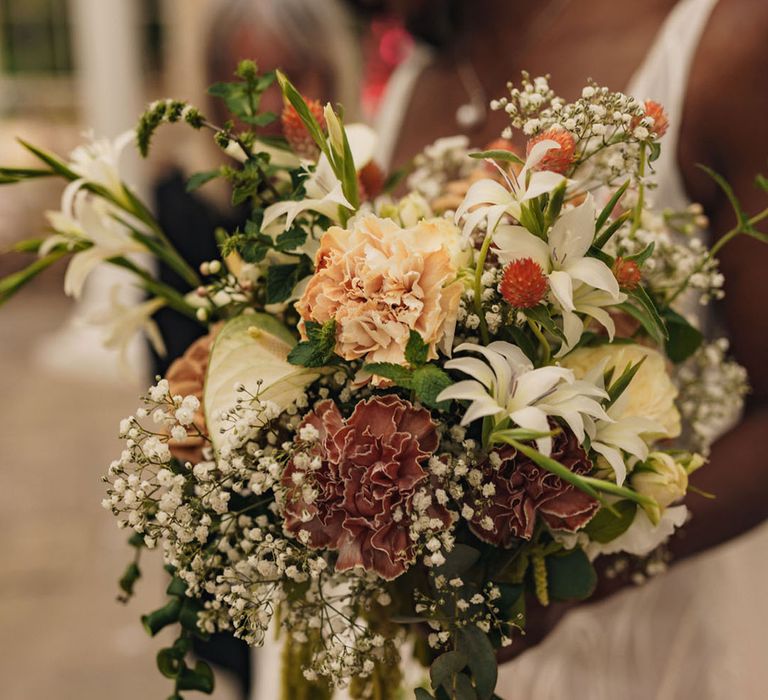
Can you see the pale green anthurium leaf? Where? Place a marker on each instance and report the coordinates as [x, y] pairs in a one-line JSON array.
[[250, 348]]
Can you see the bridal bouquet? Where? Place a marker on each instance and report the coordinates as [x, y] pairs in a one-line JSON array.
[[412, 419]]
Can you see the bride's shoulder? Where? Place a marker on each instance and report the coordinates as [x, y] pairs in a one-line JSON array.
[[727, 95]]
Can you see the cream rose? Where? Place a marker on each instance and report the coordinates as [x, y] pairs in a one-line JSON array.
[[651, 394], [379, 281], [663, 479]]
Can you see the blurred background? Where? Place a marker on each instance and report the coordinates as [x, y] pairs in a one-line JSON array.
[[67, 66]]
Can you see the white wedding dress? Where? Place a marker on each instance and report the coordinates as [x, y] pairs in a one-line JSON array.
[[695, 633]]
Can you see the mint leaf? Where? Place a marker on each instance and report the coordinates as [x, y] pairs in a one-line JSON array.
[[416, 350], [291, 239], [199, 179], [402, 376], [317, 349], [428, 382], [281, 279]]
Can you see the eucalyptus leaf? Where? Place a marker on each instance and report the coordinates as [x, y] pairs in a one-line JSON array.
[[570, 576], [479, 651], [607, 525], [445, 666], [684, 339]]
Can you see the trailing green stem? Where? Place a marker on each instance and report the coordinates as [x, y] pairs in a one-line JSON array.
[[715, 249], [640, 191], [174, 300], [547, 357]]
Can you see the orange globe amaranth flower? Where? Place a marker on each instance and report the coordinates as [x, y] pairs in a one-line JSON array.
[[523, 283], [299, 139], [655, 111], [558, 160], [627, 273]]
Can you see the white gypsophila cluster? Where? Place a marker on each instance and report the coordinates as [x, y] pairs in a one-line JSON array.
[[680, 260], [330, 610], [608, 127], [476, 605], [188, 508], [712, 390], [441, 162]]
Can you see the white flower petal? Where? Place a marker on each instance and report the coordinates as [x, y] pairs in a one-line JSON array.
[[538, 151], [474, 368], [515, 242], [541, 183], [573, 232], [614, 458], [562, 288], [593, 272], [532, 418], [466, 390], [81, 265]]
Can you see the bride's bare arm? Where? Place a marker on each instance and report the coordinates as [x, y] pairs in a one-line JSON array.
[[728, 95]]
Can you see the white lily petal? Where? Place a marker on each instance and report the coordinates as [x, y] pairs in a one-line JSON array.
[[81, 265], [593, 272], [614, 458], [515, 242], [573, 232], [474, 368], [573, 327], [481, 409], [466, 390], [602, 317], [541, 183], [537, 153], [562, 288], [500, 367], [513, 354], [534, 385], [483, 192], [532, 418]]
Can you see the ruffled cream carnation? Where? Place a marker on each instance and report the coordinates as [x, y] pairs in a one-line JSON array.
[[380, 281], [651, 394]]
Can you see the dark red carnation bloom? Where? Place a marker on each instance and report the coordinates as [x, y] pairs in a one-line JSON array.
[[525, 490], [368, 469]]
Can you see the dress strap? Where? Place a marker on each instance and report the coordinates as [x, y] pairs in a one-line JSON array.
[[663, 77]]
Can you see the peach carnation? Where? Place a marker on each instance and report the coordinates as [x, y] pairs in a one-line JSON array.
[[380, 281], [186, 376]]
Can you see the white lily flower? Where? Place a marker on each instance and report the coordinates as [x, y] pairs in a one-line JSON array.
[[508, 386], [324, 189], [622, 433], [490, 200], [91, 219], [122, 321], [98, 162], [579, 284]]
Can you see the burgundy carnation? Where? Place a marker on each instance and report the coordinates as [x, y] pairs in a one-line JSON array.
[[369, 469], [524, 490]]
